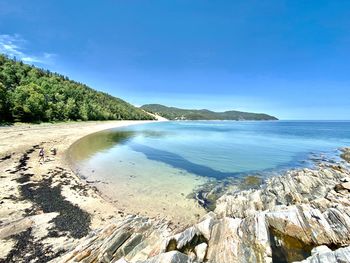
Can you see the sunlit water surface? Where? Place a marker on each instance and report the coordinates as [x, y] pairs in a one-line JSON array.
[[152, 168]]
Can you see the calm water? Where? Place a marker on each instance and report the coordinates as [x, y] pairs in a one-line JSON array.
[[217, 149], [179, 156]]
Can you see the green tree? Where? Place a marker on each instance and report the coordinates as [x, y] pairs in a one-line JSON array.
[[28, 103], [70, 111], [4, 103], [28, 93]]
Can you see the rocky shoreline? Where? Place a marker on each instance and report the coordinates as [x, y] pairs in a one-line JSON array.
[[49, 214], [303, 215]]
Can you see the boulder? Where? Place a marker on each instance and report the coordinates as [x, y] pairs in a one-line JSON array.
[[310, 225], [239, 240]]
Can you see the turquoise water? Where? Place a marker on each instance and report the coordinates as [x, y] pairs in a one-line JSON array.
[[174, 158], [221, 149]]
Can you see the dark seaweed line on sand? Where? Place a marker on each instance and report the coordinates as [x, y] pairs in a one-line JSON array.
[[71, 218], [29, 250], [71, 221]]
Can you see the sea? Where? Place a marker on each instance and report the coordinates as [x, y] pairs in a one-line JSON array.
[[162, 163]]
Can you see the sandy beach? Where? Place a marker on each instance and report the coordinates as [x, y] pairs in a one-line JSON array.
[[32, 194]]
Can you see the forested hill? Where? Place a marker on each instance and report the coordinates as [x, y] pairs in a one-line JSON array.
[[31, 94], [172, 113]]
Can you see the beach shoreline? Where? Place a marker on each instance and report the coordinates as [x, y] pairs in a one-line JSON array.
[[49, 213], [302, 215], [22, 206], [156, 191]]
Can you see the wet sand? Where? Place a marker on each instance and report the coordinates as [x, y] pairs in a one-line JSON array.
[[132, 182]]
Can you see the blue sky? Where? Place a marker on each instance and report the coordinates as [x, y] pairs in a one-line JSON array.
[[287, 58]]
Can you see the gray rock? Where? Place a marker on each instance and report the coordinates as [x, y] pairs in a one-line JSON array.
[[168, 257], [302, 205], [239, 240], [128, 246], [201, 251], [320, 249], [205, 227], [322, 255], [185, 237]]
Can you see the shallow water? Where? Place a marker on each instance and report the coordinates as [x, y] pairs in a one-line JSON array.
[[152, 168]]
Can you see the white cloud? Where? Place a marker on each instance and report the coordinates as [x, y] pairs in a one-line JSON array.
[[13, 46]]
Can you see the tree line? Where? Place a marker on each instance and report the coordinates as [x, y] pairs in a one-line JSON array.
[[173, 113], [31, 94]]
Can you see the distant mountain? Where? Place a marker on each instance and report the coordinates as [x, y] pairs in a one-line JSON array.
[[172, 113]]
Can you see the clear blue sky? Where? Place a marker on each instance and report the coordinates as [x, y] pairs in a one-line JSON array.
[[287, 58]]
